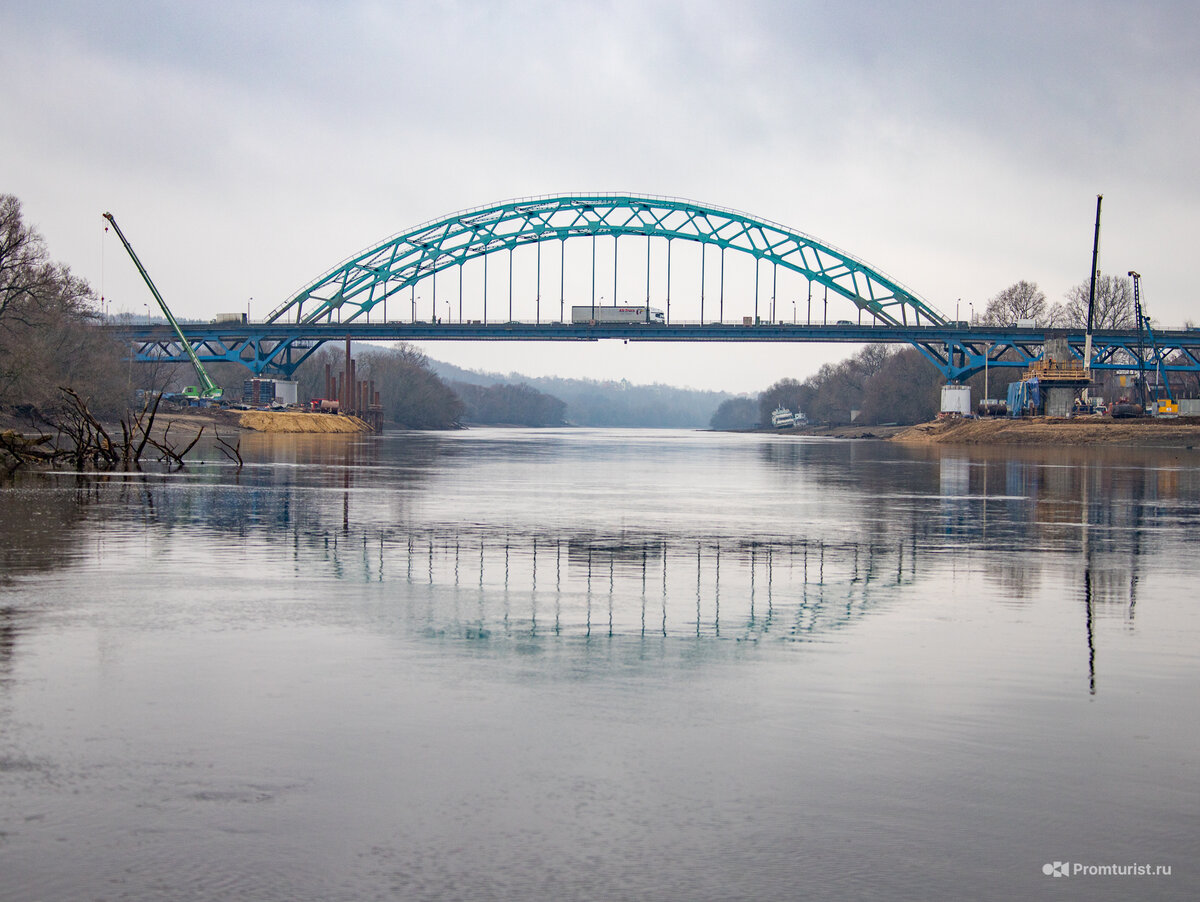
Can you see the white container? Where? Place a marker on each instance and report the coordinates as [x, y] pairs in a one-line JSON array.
[[624, 314], [956, 399], [286, 391]]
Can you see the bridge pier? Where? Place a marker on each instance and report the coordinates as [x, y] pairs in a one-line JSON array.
[[1062, 376]]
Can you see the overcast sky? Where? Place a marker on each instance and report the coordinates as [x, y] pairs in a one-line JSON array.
[[246, 148]]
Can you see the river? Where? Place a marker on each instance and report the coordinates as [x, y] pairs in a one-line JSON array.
[[603, 664]]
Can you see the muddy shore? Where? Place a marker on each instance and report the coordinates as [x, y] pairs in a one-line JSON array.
[[861, 432], [1180, 432], [225, 421]]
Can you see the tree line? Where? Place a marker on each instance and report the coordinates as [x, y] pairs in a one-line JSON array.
[[606, 403], [48, 328]]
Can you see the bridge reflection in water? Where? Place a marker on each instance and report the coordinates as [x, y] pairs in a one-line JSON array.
[[417, 530], [484, 583]]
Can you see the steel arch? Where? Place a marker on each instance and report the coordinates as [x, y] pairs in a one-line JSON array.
[[354, 287]]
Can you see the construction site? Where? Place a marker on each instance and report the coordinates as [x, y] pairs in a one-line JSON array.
[[1061, 384]]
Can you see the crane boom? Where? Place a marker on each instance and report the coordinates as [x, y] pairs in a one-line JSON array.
[[1087, 345], [208, 388]]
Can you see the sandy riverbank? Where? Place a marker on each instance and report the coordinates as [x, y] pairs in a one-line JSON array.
[[1181, 432], [290, 421], [272, 421], [222, 420]]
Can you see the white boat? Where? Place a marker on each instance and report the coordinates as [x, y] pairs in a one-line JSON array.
[[782, 418]]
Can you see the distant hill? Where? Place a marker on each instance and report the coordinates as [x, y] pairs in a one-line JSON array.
[[591, 402]]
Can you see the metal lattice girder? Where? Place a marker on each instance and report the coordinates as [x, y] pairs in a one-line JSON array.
[[355, 286], [958, 352], [962, 356]]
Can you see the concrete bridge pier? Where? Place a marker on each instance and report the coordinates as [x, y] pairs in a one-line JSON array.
[[1060, 389]]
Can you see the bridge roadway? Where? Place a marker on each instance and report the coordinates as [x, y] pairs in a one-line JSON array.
[[959, 351]]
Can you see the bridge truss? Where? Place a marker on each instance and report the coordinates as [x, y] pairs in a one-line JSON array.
[[340, 303], [354, 287], [959, 352]]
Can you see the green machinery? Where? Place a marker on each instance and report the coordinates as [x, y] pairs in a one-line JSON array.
[[207, 389]]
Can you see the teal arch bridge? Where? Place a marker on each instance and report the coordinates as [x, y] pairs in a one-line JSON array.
[[675, 260]]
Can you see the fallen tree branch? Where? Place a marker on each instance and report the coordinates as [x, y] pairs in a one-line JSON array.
[[232, 451]]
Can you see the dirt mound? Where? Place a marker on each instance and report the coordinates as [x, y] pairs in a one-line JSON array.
[[288, 421], [1183, 432]]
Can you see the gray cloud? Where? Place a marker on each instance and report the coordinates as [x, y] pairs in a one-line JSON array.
[[956, 146]]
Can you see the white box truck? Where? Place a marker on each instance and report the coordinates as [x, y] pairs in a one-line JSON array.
[[620, 314]]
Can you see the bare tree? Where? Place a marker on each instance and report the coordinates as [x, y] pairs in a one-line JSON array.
[[26, 276], [835, 390], [1113, 307], [48, 334], [1020, 301]]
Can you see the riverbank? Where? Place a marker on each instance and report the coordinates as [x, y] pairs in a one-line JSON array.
[[1181, 432], [271, 421], [295, 422], [862, 432]]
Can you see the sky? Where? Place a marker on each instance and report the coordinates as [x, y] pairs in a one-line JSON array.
[[246, 148]]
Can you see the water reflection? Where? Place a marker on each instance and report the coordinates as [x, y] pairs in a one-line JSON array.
[[527, 534], [482, 582], [391, 667]]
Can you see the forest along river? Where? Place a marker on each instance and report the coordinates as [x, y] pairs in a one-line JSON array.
[[588, 664]]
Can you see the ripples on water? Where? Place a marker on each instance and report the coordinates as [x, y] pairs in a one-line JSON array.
[[600, 664]]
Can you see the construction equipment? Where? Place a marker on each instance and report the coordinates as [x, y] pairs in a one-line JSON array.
[[1087, 345], [207, 389], [1144, 329]]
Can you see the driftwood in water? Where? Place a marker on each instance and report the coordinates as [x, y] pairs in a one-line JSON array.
[[81, 439], [231, 450], [16, 449]]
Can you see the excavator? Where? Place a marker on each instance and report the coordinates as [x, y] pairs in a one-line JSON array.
[[207, 389]]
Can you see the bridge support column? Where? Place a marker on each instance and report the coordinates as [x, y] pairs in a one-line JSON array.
[[1060, 399], [1060, 402]]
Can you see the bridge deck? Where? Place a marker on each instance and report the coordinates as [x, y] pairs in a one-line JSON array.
[[959, 350]]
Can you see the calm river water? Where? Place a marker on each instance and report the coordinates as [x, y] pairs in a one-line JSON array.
[[581, 664]]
